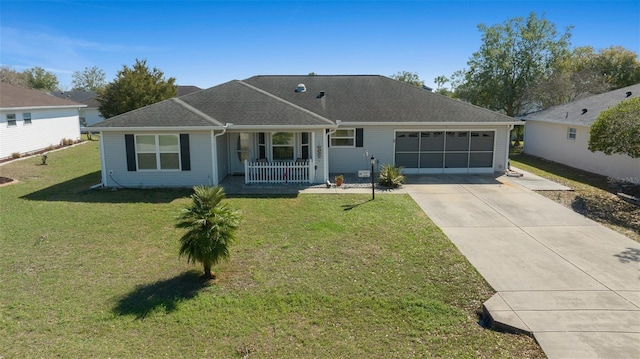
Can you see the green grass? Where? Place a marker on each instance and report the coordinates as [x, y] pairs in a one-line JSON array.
[[96, 274]]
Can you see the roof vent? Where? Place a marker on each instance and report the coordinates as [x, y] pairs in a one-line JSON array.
[[321, 95], [628, 94], [301, 88], [584, 110]]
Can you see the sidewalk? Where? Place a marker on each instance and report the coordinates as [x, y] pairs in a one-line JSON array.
[[570, 282]]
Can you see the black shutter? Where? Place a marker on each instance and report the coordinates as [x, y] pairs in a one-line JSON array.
[[130, 145], [185, 156], [359, 140], [328, 137]]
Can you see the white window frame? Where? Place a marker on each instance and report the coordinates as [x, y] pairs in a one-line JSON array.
[[158, 153], [334, 136], [572, 133], [11, 120], [291, 144], [26, 118]]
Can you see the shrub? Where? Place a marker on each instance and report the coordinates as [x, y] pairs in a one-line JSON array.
[[16, 155], [391, 176]]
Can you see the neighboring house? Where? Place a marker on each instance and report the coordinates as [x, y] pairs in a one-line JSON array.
[[32, 120], [89, 115], [185, 90], [561, 134], [300, 129]]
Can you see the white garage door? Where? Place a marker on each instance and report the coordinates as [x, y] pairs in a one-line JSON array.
[[445, 151]]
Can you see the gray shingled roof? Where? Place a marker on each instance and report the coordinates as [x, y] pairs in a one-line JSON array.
[[187, 89], [372, 98], [571, 113], [86, 97], [167, 113], [273, 101], [12, 96]]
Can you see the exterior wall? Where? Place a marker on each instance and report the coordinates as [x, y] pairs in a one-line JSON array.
[[318, 155], [48, 127], [549, 141], [114, 160], [379, 142]]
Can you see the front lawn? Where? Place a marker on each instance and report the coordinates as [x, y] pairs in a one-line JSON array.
[[96, 274]]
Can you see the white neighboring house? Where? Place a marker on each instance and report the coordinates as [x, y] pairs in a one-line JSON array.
[[32, 120], [561, 134], [89, 115]]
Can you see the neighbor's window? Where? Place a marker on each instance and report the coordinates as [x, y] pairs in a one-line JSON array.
[[571, 133], [26, 117], [11, 119], [282, 146], [158, 152], [343, 138]]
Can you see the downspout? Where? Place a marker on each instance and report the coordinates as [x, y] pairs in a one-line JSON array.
[[326, 149], [103, 166], [214, 157], [510, 128]]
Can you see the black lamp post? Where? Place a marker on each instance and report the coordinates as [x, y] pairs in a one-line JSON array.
[[373, 187]]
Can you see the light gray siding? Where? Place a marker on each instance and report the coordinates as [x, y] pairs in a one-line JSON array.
[[378, 141], [550, 141], [117, 175]]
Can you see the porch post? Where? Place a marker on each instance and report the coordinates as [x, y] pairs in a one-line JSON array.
[[246, 171]]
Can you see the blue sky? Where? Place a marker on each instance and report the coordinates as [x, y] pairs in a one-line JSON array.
[[205, 43]]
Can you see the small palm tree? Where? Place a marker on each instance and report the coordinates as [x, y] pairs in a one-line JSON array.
[[210, 225], [391, 176]]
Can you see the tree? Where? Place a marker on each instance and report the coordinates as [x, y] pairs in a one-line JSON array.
[[13, 77], [619, 65], [40, 79], [617, 129], [134, 88], [513, 57], [440, 81], [411, 78], [211, 228], [90, 79]]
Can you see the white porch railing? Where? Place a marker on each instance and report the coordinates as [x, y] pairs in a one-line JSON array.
[[279, 172]]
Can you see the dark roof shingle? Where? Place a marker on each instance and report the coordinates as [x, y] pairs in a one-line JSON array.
[[572, 112]]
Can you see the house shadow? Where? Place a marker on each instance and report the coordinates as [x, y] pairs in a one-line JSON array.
[[164, 294], [79, 190]]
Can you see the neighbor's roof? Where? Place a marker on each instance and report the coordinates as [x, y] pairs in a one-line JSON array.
[[88, 98], [12, 96], [187, 89], [572, 112], [272, 101]]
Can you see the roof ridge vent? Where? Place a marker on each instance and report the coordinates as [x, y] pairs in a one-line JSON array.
[[301, 88], [628, 94]]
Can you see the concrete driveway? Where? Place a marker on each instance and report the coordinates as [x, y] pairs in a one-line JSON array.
[[572, 283]]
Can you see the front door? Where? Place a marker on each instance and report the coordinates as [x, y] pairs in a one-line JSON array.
[[240, 145]]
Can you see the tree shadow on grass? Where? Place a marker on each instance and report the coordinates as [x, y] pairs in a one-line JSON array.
[[164, 294]]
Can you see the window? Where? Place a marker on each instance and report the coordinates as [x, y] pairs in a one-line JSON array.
[[282, 144], [11, 119], [26, 117], [571, 134], [158, 152], [343, 138]]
